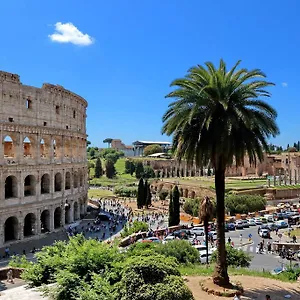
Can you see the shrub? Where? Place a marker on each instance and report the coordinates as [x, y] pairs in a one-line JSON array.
[[183, 251], [163, 194], [136, 226], [192, 206], [19, 262], [124, 191], [139, 169], [148, 172], [235, 257], [151, 149]]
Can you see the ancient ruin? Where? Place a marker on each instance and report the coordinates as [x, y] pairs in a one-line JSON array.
[[43, 158]]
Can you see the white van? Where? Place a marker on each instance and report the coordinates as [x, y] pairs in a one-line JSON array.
[[198, 231]]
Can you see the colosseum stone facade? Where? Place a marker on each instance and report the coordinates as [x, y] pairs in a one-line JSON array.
[[43, 160]]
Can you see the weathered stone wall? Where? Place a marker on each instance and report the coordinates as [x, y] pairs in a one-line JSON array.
[[43, 163]]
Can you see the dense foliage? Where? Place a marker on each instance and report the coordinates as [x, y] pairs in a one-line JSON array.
[[98, 168], [163, 194], [136, 226], [235, 257], [151, 149], [139, 169], [126, 191], [140, 200], [90, 270]]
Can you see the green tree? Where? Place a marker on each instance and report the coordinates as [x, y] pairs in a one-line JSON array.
[[218, 117], [151, 149], [148, 194], [176, 205], [92, 152], [171, 211], [98, 168], [148, 172], [140, 194], [139, 170], [110, 168], [108, 142]]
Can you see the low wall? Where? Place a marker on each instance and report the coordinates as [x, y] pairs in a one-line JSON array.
[[260, 192], [286, 193], [136, 236]]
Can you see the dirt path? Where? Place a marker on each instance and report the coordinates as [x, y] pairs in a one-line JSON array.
[[255, 288]]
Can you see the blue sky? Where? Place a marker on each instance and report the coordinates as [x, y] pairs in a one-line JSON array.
[[132, 50]]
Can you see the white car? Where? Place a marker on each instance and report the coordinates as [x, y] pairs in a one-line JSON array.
[[258, 221], [198, 231], [202, 256], [252, 222], [200, 248], [168, 239]]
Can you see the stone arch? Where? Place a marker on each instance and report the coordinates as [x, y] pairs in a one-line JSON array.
[[57, 217], [29, 224], [186, 193], [68, 180], [57, 182], [75, 211], [57, 147], [27, 148], [8, 147], [11, 229], [80, 178], [81, 202], [45, 184], [29, 185], [67, 213], [45, 221], [11, 187], [75, 180], [193, 194], [44, 149]]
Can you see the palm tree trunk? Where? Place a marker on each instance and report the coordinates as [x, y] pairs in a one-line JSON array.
[[206, 237], [220, 276]]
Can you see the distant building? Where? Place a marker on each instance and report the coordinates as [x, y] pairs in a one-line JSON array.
[[139, 146], [120, 146]]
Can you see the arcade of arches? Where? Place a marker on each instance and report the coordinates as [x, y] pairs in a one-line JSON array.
[[35, 223]]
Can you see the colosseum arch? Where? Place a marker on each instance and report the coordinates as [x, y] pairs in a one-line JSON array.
[[45, 221], [29, 224], [57, 147], [67, 147], [75, 180], [57, 182], [81, 206], [76, 211], [68, 180], [57, 217], [80, 178], [67, 213], [28, 148], [29, 185], [44, 148], [45, 184], [11, 227], [9, 147], [11, 187]]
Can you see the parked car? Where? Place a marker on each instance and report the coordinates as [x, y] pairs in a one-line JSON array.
[[251, 222], [245, 223], [231, 226], [264, 220], [168, 239], [152, 239], [239, 225], [272, 226], [214, 234], [264, 233], [182, 234], [198, 231], [258, 221], [282, 224], [202, 256], [200, 247]]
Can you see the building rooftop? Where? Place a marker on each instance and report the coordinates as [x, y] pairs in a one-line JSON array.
[[150, 143]]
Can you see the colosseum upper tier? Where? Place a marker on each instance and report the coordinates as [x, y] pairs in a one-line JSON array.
[[43, 159]]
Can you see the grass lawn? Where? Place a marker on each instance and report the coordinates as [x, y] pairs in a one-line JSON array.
[[202, 270], [98, 193]]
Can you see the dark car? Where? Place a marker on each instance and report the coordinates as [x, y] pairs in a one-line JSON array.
[[103, 217], [182, 234], [231, 226]]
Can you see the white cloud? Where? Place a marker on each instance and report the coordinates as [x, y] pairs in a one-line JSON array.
[[68, 33], [284, 84]]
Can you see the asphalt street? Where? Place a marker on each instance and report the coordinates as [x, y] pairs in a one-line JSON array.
[[264, 261]]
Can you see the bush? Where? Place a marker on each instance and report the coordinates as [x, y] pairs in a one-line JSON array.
[[19, 262], [148, 172], [124, 191], [163, 194], [242, 204], [136, 226], [235, 257], [151, 149], [192, 206], [183, 251]]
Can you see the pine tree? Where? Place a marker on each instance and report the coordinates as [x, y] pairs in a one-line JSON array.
[[98, 168], [145, 192], [140, 194], [139, 170], [176, 205], [127, 166], [148, 194], [132, 168], [171, 211]]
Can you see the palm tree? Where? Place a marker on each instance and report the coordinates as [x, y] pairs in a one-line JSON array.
[[205, 214], [217, 118]]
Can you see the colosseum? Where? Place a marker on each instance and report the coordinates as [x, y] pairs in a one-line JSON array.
[[43, 159]]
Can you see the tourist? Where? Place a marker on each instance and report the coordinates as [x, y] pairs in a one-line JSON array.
[[6, 252], [10, 276], [241, 237], [237, 296], [229, 240], [268, 297]]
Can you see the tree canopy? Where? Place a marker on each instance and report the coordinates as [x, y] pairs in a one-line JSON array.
[[151, 149]]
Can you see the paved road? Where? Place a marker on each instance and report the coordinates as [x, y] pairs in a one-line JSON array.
[[260, 261]]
